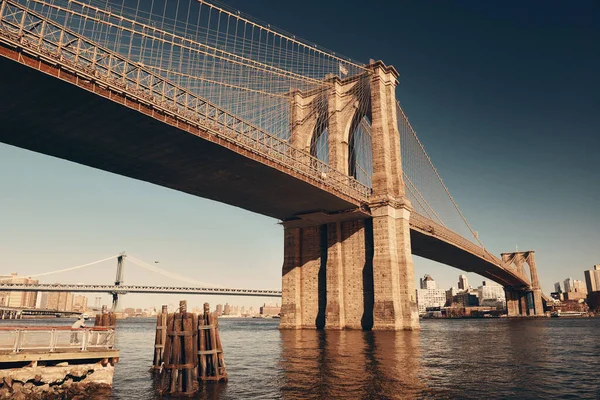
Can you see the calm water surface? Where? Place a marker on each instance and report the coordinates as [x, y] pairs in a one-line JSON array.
[[448, 359]]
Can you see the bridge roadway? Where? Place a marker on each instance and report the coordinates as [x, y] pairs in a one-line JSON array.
[[124, 289], [102, 125]]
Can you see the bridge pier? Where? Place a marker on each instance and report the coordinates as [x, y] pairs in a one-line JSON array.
[[349, 275]]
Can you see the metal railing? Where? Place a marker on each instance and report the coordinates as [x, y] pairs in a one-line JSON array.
[[55, 339]]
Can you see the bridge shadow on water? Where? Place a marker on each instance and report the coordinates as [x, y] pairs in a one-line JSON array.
[[350, 364]]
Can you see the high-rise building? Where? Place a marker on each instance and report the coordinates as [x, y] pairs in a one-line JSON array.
[[427, 282], [463, 283], [97, 301], [18, 299], [429, 295], [592, 279], [227, 309], [557, 288], [579, 286], [219, 310], [569, 285]]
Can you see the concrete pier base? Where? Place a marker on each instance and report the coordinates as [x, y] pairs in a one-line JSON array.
[[350, 275], [47, 379]]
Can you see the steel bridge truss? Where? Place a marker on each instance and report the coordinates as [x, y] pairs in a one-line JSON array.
[[124, 289]]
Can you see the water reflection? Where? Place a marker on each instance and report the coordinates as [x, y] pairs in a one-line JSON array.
[[465, 359], [350, 364]]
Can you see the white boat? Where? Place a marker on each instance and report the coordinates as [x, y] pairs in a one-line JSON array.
[[556, 314]]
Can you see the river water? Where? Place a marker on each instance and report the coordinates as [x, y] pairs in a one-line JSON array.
[[447, 359]]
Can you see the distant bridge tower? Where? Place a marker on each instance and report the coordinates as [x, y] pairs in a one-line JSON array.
[[341, 271], [523, 301], [118, 280]]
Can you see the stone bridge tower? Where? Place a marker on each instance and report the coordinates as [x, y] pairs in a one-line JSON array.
[[523, 301], [345, 271]]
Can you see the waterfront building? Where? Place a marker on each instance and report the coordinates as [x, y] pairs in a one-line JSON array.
[[227, 309], [18, 299], [429, 295], [60, 301], [463, 283], [490, 292], [465, 299], [592, 279], [450, 293], [270, 310], [80, 303], [569, 296], [219, 310]]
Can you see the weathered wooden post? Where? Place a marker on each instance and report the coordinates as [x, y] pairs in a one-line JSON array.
[[212, 363], [161, 337], [192, 350]]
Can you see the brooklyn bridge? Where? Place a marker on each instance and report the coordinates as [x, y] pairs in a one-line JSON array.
[[207, 101]]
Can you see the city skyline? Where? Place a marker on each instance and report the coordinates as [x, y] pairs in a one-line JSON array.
[[532, 190]]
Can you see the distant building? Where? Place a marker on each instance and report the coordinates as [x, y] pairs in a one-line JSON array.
[[227, 309], [80, 303], [557, 288], [429, 296], [18, 299], [593, 300], [574, 296], [463, 283], [568, 285], [592, 279], [427, 282], [60, 301], [450, 293], [579, 286], [269, 309], [219, 310], [490, 292], [465, 299]]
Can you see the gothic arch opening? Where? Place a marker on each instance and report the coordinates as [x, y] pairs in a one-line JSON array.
[[360, 156]]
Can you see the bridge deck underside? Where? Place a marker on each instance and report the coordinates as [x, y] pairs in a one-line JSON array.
[[41, 113], [436, 249]]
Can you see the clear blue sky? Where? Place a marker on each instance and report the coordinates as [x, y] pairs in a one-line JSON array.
[[504, 96]]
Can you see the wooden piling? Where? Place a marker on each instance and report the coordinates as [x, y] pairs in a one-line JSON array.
[[112, 320], [105, 320], [161, 338], [167, 357], [192, 351], [202, 348]]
